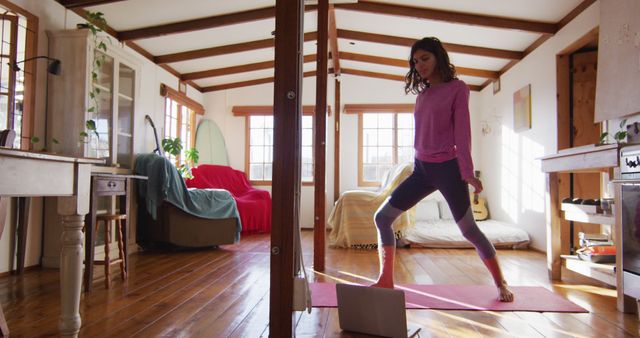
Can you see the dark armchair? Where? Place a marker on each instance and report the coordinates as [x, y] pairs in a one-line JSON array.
[[171, 213]]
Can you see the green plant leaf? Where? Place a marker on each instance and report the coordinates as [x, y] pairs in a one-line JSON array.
[[619, 136], [55, 141], [603, 137], [192, 155], [623, 123], [91, 124], [172, 146], [34, 139]]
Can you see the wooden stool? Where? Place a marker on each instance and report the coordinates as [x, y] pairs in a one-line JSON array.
[[110, 220]]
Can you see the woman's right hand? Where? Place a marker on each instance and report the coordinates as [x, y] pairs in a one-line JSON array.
[[475, 183]]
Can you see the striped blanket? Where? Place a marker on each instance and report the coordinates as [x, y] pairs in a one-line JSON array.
[[351, 219]]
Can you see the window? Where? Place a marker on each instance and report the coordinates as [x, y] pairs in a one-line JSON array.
[[18, 33], [259, 143], [180, 120], [385, 138], [260, 148]]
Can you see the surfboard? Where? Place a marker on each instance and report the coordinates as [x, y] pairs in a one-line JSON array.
[[210, 144]]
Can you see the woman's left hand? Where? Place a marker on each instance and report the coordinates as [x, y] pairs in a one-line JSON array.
[[475, 183]]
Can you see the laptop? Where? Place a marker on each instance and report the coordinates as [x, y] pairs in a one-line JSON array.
[[374, 311]]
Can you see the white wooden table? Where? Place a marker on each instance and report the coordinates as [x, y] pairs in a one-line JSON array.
[[31, 174]]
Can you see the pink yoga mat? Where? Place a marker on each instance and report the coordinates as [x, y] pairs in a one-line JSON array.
[[462, 297]]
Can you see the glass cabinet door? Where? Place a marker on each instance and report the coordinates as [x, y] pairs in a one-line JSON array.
[[101, 109], [112, 110], [125, 102]]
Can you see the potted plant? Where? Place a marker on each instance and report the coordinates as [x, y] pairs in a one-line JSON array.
[[620, 136], [174, 146]]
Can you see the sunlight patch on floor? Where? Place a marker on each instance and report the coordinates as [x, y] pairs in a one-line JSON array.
[[596, 290]]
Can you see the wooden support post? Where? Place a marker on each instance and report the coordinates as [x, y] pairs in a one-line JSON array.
[[286, 163], [320, 195], [336, 141]]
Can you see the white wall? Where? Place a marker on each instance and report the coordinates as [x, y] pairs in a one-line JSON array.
[[218, 107], [515, 187], [53, 16]]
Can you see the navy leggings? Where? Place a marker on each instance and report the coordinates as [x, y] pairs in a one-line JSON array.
[[428, 177]]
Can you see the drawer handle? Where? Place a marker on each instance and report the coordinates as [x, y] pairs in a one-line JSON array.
[[111, 184]]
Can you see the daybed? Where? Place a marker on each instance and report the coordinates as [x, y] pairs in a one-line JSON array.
[[254, 205], [351, 219], [435, 228], [171, 213]]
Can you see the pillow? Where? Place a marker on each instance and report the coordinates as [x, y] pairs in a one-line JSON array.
[[445, 212], [427, 210]]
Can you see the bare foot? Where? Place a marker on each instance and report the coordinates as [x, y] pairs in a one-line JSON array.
[[504, 294]]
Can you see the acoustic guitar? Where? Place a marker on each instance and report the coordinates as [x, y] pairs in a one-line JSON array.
[[478, 204], [158, 149]]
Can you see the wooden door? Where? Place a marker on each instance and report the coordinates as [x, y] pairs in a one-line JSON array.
[[581, 130]]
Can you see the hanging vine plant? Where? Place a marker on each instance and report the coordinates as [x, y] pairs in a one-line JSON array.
[[96, 23]]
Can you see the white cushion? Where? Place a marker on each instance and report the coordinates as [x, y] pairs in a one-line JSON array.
[[427, 210], [445, 212]]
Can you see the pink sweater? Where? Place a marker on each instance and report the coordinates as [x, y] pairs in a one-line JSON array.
[[443, 129]]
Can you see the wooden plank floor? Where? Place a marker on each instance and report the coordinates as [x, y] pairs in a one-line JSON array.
[[225, 293]]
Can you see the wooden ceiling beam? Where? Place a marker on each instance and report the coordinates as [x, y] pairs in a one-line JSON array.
[[250, 82], [226, 49], [202, 23], [198, 24], [333, 40], [237, 69], [85, 3], [349, 71], [385, 76], [405, 64], [408, 42], [372, 74], [453, 17]]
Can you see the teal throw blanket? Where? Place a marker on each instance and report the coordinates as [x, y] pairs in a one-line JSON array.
[[165, 184]]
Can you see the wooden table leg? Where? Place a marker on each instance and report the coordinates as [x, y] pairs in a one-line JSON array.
[[4, 329], [554, 230], [71, 274], [73, 209], [90, 238], [23, 227]]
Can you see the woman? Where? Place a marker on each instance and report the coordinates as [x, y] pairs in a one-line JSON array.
[[443, 159]]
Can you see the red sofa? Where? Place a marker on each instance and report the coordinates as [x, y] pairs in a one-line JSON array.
[[254, 205]]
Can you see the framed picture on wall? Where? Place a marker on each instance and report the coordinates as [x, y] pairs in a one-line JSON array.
[[522, 109]]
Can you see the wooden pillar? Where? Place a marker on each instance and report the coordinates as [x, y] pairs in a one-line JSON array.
[[336, 138], [320, 195], [286, 163]]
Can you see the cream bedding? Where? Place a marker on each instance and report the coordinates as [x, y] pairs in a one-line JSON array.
[[351, 219], [444, 233]]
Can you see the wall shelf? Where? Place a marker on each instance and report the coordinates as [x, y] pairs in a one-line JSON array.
[[605, 273], [584, 217]]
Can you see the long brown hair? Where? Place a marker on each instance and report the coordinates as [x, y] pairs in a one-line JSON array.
[[413, 82]]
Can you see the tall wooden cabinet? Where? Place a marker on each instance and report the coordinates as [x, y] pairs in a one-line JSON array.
[[70, 106]]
